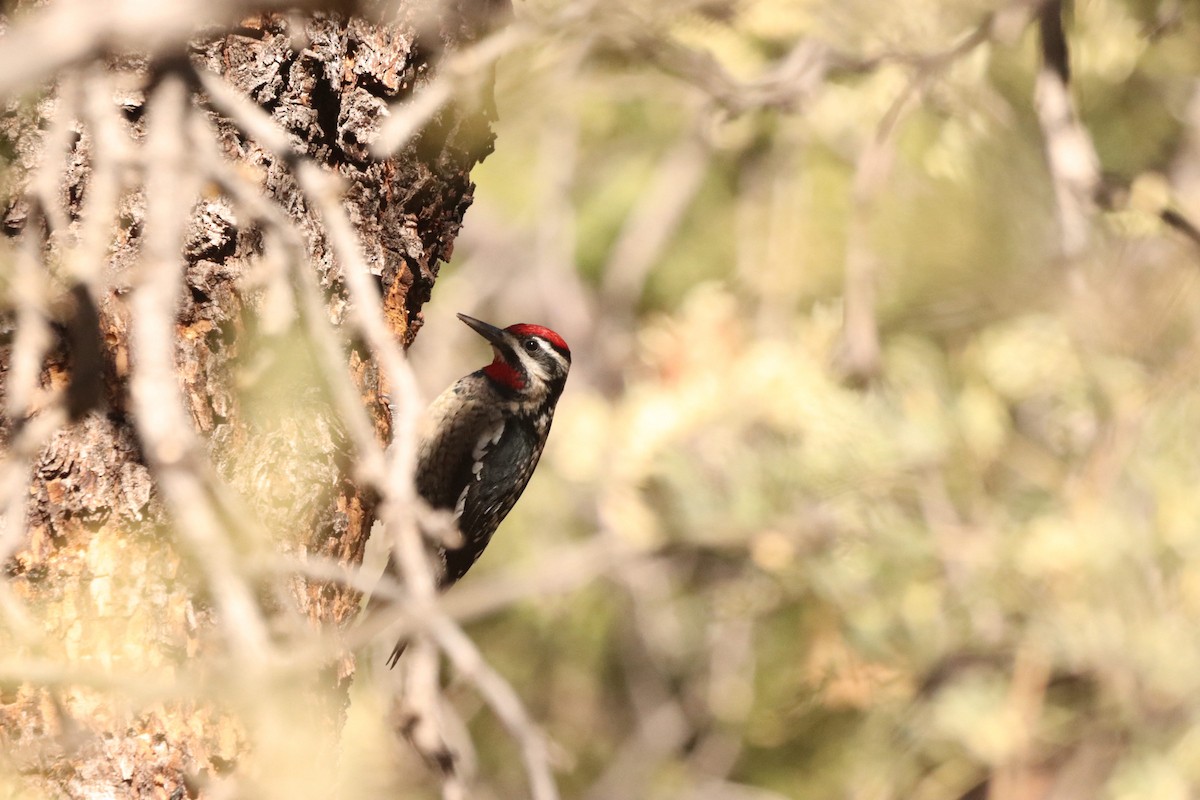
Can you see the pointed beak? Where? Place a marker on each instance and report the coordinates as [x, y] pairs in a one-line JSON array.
[[489, 332]]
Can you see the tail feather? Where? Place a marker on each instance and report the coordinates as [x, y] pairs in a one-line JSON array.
[[397, 651]]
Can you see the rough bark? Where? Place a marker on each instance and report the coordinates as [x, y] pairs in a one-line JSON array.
[[97, 566]]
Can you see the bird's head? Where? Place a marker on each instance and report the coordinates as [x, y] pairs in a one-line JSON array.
[[530, 362]]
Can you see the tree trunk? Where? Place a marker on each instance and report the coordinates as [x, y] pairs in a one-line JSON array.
[[114, 610]]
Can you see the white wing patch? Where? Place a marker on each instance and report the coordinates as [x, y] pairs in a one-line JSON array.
[[489, 438], [462, 503]]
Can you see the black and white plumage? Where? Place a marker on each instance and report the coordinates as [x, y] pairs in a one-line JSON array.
[[481, 439]]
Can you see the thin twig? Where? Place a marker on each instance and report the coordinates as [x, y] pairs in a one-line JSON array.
[[322, 192], [110, 150], [400, 503], [46, 186], [68, 32], [369, 461], [558, 571], [1176, 219], [860, 357], [399, 506], [32, 294], [502, 699], [1070, 154], [422, 713], [16, 473], [860, 329], [654, 219], [786, 85], [168, 439], [407, 119], [59, 675]]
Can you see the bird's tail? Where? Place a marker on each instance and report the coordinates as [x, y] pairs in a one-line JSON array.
[[377, 603], [397, 651]]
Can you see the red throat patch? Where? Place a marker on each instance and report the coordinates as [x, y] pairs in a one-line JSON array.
[[502, 373], [537, 330]]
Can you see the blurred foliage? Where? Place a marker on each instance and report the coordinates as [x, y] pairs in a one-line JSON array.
[[982, 565]]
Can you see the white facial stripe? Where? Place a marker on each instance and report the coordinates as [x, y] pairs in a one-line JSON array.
[[535, 368], [532, 368], [531, 364], [562, 362], [549, 348]]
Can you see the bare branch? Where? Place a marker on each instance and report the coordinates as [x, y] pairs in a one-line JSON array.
[[499, 694], [15, 473], [110, 151], [31, 294], [860, 357], [33, 424], [369, 462], [654, 219], [455, 73], [423, 717], [69, 32], [1070, 154], [166, 431], [787, 85], [399, 504], [861, 353]]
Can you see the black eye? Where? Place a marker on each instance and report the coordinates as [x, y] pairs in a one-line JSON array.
[[531, 345]]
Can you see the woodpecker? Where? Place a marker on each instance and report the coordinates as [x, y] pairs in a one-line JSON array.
[[481, 439]]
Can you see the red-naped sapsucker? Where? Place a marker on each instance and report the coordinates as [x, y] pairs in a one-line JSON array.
[[481, 439]]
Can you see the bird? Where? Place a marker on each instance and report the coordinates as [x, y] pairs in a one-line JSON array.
[[481, 439]]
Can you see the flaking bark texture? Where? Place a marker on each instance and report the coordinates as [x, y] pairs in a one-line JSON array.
[[98, 566]]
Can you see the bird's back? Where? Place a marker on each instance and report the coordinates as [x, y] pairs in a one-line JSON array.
[[475, 462], [453, 428]]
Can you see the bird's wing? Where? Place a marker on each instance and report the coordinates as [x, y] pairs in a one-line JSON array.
[[451, 433], [505, 466]]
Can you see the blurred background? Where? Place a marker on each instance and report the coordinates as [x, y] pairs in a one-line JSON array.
[[870, 481]]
